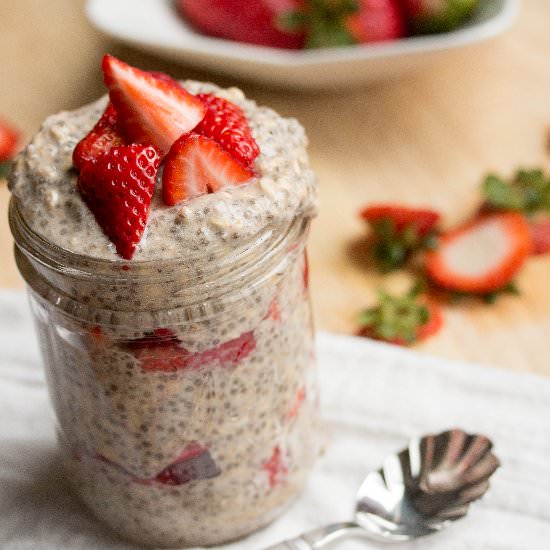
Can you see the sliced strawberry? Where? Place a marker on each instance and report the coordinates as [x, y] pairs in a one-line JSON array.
[[162, 352], [118, 187], [276, 467], [227, 125], [399, 231], [401, 320], [540, 233], [196, 165], [193, 464], [482, 256], [273, 311], [305, 272], [101, 139], [402, 217], [298, 400], [151, 110]]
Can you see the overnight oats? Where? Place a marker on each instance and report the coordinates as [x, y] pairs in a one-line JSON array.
[[161, 232]]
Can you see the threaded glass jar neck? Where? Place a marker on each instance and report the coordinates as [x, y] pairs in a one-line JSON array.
[[197, 277]]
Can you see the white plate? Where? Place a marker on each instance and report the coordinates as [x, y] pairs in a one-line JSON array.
[[154, 26]]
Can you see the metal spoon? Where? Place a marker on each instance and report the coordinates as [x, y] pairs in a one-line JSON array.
[[417, 492]]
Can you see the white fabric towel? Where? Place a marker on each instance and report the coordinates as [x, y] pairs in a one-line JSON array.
[[374, 397]]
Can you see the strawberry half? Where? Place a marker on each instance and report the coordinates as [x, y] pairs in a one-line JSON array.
[[118, 187], [196, 165], [482, 256], [226, 124], [152, 110], [398, 232], [101, 139], [402, 217]]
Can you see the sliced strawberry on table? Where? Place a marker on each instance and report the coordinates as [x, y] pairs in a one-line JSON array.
[[196, 165], [100, 139], [151, 110], [401, 320], [9, 139], [482, 256], [540, 233], [118, 187], [227, 125], [398, 231]]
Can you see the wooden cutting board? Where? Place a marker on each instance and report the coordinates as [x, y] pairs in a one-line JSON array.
[[426, 139]]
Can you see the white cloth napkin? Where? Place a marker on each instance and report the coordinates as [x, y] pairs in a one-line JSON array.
[[374, 397]]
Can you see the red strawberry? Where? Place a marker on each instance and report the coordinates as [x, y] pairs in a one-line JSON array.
[[9, 138], [540, 233], [162, 352], [401, 320], [376, 21], [402, 217], [276, 467], [398, 232], [427, 16], [298, 400], [101, 139], [226, 124], [273, 311], [194, 463], [305, 272], [252, 21], [151, 110], [296, 23], [118, 187], [482, 256], [196, 165]]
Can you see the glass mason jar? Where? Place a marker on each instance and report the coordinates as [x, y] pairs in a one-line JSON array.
[[184, 390]]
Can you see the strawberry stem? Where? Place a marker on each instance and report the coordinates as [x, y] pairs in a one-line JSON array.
[[5, 168], [393, 247], [528, 191], [396, 318]]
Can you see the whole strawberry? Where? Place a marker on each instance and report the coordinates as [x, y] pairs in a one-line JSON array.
[[117, 187], [376, 21], [297, 23], [433, 16], [254, 21]]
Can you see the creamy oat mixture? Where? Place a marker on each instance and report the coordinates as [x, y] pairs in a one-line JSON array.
[[45, 184], [181, 424]]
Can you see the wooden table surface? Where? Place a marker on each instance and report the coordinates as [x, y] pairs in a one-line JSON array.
[[425, 139]]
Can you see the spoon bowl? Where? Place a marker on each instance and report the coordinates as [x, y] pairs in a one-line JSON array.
[[417, 492], [431, 483]]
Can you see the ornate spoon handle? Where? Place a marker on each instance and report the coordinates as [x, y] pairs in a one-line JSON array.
[[319, 538]]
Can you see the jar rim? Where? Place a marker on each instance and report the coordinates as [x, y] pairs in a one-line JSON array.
[[82, 266]]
